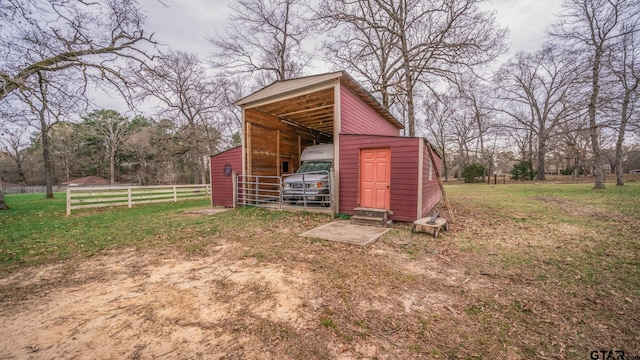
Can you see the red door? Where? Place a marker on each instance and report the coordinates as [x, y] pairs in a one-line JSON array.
[[375, 178]]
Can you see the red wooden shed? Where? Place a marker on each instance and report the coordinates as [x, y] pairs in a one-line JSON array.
[[223, 168], [374, 166]]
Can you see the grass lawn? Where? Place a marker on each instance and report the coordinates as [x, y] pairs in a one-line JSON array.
[[525, 271], [36, 230]]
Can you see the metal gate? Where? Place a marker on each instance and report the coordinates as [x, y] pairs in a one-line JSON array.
[[308, 190], [254, 190]]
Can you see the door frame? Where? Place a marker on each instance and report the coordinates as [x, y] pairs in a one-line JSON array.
[[388, 193]]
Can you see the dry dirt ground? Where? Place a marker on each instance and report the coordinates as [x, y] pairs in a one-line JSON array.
[[280, 296], [128, 304]]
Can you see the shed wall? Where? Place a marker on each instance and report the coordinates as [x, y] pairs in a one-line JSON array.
[[269, 143], [430, 188], [404, 172], [357, 117], [221, 184]]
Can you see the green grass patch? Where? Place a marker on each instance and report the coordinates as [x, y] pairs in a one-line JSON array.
[[36, 230]]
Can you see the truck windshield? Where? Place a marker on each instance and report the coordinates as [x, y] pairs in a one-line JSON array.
[[314, 166]]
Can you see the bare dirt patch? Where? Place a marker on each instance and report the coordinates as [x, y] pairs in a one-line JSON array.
[[492, 286], [132, 304], [165, 304]]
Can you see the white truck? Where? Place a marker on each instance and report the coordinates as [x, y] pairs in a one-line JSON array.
[[310, 183]]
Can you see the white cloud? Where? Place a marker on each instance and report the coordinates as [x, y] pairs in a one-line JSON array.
[[526, 20]]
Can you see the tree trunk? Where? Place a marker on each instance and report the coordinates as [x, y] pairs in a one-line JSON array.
[[460, 163], [478, 117], [444, 168], [203, 170], [48, 166], [542, 150], [620, 140], [112, 166], [3, 204], [44, 134], [593, 126]]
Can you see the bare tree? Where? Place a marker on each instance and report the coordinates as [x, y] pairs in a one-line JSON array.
[[624, 64], [414, 43], [264, 39], [465, 133], [439, 110], [40, 38], [65, 138], [594, 26], [363, 46], [475, 94], [191, 98], [12, 142], [537, 92], [111, 129], [47, 103], [88, 37]]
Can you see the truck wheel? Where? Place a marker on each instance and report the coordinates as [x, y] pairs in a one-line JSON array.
[[326, 199]]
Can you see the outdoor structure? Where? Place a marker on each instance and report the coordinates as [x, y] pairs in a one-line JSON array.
[[374, 167], [223, 168]]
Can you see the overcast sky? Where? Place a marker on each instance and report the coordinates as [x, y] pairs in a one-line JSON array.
[[186, 27]]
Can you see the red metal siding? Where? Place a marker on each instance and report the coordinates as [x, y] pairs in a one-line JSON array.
[[404, 172], [357, 117], [222, 185], [430, 188]]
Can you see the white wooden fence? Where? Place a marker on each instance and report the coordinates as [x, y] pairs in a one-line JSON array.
[[95, 197]]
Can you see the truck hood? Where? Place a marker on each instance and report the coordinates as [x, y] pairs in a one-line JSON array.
[[297, 178]]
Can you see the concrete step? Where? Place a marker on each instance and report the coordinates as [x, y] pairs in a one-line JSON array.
[[372, 213], [370, 221]]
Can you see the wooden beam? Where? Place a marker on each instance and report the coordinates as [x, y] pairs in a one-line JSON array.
[[278, 160], [306, 110], [248, 150]]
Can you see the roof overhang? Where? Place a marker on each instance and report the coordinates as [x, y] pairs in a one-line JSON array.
[[309, 101]]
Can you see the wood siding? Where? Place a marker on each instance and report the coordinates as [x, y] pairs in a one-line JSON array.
[[357, 117], [222, 185], [404, 172], [430, 188], [269, 143]]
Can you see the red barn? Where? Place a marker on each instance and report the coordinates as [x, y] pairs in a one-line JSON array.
[[374, 166]]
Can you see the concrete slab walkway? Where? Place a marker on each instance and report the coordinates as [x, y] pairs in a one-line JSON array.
[[345, 232]]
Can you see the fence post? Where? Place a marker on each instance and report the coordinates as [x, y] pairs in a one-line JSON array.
[[175, 194], [130, 201], [234, 177], [68, 201], [332, 192]]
